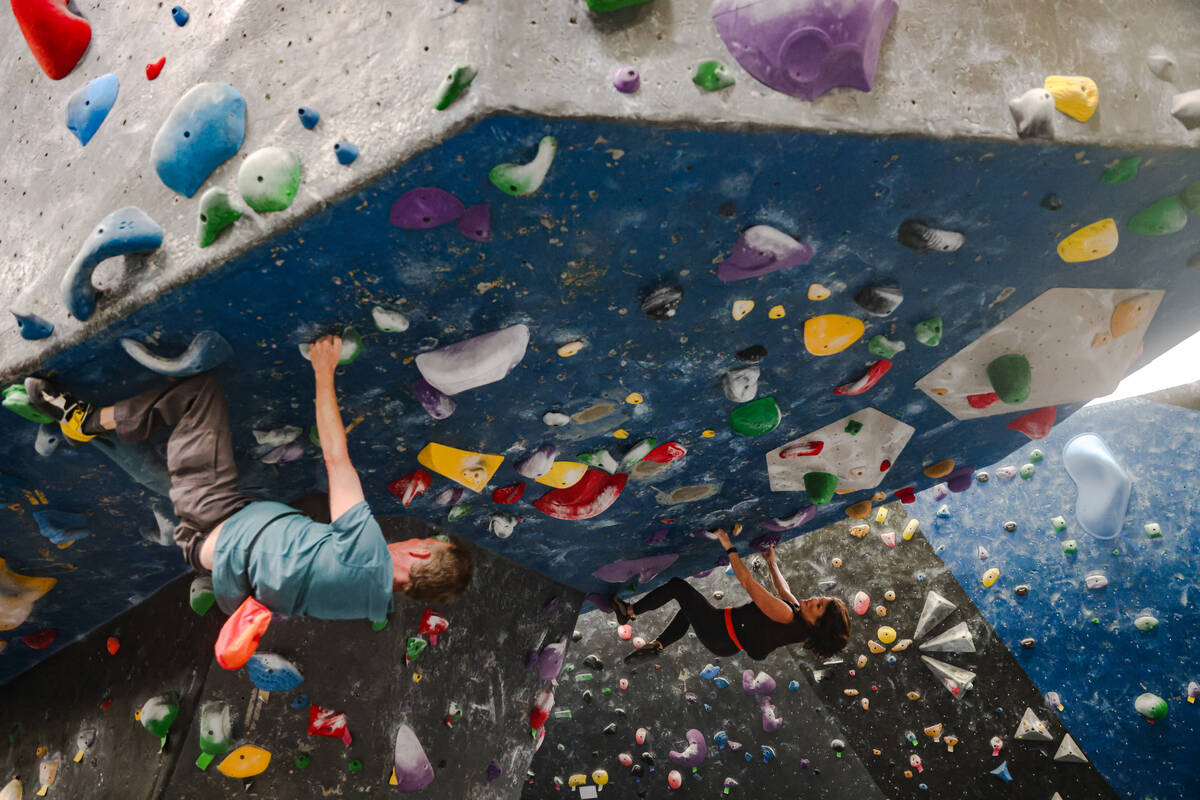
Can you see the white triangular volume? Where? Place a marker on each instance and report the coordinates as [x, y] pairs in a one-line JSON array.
[[936, 609], [1070, 752], [956, 679], [1033, 729], [956, 640], [1056, 796]]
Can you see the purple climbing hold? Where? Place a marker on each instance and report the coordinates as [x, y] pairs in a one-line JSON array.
[[476, 223], [449, 497], [806, 47], [551, 605], [413, 770], [794, 521], [771, 721], [765, 542], [436, 404], [761, 250], [960, 479], [627, 80], [550, 660], [644, 568], [657, 536], [493, 771], [757, 683], [538, 463], [600, 601], [425, 207], [694, 754]]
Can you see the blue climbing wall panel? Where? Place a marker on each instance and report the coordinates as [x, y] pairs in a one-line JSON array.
[[1088, 649], [624, 209]]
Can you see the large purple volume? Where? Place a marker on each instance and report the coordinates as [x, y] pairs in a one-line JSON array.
[[413, 770], [806, 47]]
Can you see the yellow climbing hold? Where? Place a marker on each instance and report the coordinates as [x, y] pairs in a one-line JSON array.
[[911, 529], [831, 333], [599, 777], [881, 515], [741, 308], [865, 703], [416, 677], [1089, 243], [1128, 314], [563, 474], [991, 576], [18, 593], [862, 661], [578, 779], [939, 470], [850, 692], [859, 531], [886, 634], [875, 647], [392, 780], [934, 732], [620, 433], [1100, 339], [914, 696], [901, 646], [472, 470], [245, 762], [1075, 95], [859, 510], [817, 292], [708, 434], [777, 312], [634, 399], [570, 348]]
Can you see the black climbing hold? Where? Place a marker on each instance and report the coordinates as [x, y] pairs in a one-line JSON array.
[[1028, 642], [620, 712], [648, 758], [727, 210], [636, 770], [576, 636], [752, 354], [1051, 202], [610, 728], [662, 303], [594, 661], [587, 696], [879, 301]]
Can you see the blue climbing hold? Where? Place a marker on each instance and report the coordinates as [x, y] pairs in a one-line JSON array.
[[709, 672], [1002, 772], [720, 738], [180, 15], [273, 673], [61, 527], [300, 701], [793, 686], [124, 231], [1102, 483], [88, 106], [707, 707], [309, 117], [33, 327], [207, 350], [204, 129], [768, 754], [720, 682], [345, 152]]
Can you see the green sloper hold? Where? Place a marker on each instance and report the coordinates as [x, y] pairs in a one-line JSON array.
[[16, 400], [216, 731], [269, 178], [884, 347], [1151, 706], [820, 486], [1165, 216], [712, 76], [201, 596], [756, 417], [522, 179], [1122, 171], [216, 214], [1011, 378], [352, 347], [1191, 197], [929, 332], [454, 84], [600, 6], [158, 714], [458, 511], [414, 647]]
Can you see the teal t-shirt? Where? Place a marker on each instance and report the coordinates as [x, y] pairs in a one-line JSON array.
[[298, 567]]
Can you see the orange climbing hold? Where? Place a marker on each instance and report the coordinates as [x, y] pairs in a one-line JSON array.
[[939, 470], [245, 762], [113, 644], [859, 510], [831, 333], [241, 634]]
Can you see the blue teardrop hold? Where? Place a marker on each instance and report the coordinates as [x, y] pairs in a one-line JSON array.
[[309, 117], [345, 152], [180, 15]]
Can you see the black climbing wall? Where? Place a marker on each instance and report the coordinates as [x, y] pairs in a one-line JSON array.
[[478, 663]]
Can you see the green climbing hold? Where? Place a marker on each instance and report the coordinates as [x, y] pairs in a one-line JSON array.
[[302, 761], [599, 458], [1122, 171], [352, 347], [1011, 378], [458, 511], [269, 178], [606, 690], [1150, 706], [355, 765], [712, 76], [1165, 216], [16, 400], [820, 486], [201, 596], [523, 179], [612, 5], [1026, 471], [1036, 455], [454, 84], [314, 435], [853, 427], [379, 625], [1190, 196], [216, 731], [755, 418], [1070, 547], [884, 347], [217, 213], [929, 332], [158, 714], [414, 647], [584, 676]]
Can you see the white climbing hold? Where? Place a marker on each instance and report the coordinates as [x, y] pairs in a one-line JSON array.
[[277, 437], [12, 791], [1162, 63], [523, 179], [1033, 112], [956, 640], [474, 362], [1069, 751], [1032, 729], [1185, 107], [556, 419], [503, 524], [956, 679], [389, 321], [207, 350], [741, 385], [936, 609]]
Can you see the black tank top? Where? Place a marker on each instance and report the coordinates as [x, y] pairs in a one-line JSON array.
[[759, 634]]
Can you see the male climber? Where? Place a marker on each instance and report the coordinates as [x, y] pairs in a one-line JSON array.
[[267, 556]]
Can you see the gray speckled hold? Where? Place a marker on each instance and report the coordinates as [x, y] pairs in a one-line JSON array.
[[1162, 63], [1034, 114], [661, 304], [923, 239], [741, 385], [1185, 107], [879, 301]]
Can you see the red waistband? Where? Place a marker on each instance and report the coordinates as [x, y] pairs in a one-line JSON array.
[[729, 627]]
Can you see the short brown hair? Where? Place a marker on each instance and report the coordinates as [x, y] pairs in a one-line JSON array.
[[831, 634], [444, 577]]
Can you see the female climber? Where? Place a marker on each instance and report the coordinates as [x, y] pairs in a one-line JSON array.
[[758, 627]]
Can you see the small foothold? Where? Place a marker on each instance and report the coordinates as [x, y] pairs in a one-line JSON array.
[[1090, 242], [859, 510], [1161, 218], [662, 303], [761, 250], [929, 332], [1011, 378], [828, 334], [556, 419], [1123, 170], [884, 347], [1185, 107], [519, 180], [868, 379], [776, 312], [125, 231], [453, 85], [217, 213], [879, 301], [269, 178], [1075, 95], [180, 15], [1033, 112], [476, 223], [756, 417], [1052, 202], [33, 327], [939, 470], [626, 80], [154, 68], [309, 117], [436, 404], [1146, 622], [741, 308], [1070, 547], [1152, 530], [88, 106], [388, 320], [712, 76], [923, 239], [507, 495], [345, 152]]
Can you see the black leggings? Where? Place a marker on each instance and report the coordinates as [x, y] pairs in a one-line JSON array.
[[694, 611]]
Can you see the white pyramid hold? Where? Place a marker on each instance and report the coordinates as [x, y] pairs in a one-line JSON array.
[[1069, 751], [936, 609], [956, 679], [956, 640], [1056, 796], [1032, 729]]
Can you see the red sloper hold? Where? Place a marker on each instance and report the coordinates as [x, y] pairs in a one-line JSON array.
[[592, 495], [982, 400], [907, 495], [42, 639], [411, 486], [154, 68], [1035, 424], [432, 624], [506, 495], [869, 379], [327, 722], [666, 452], [56, 37]]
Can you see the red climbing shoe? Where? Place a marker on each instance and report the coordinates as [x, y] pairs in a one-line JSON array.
[[241, 633]]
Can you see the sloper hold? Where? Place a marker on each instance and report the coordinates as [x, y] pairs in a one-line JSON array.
[[1011, 378], [201, 595], [1036, 424], [820, 486], [1185, 107], [204, 130], [269, 178], [740, 385], [761, 250], [955, 640], [550, 659], [563, 474], [662, 303], [537, 463], [757, 682], [245, 762], [216, 729], [273, 673], [694, 754], [525, 179], [924, 239], [436, 404], [125, 231], [956, 679], [207, 350], [18, 593], [713, 76], [806, 49], [217, 212], [828, 334], [61, 526], [12, 790], [1032, 729], [1102, 483], [797, 519], [474, 362], [241, 633], [1129, 314], [1090, 242], [644, 569], [1161, 218], [1033, 112], [88, 106], [1069, 752], [879, 301], [591, 496], [33, 327], [425, 207], [756, 417], [476, 223], [158, 713], [472, 470], [413, 770], [1075, 95], [57, 37], [936, 609]]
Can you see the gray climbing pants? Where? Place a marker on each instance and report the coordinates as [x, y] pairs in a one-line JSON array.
[[204, 477]]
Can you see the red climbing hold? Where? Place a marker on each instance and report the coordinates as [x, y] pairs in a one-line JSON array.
[[907, 495], [432, 624], [592, 495], [327, 722], [982, 400], [113, 644], [508, 494], [153, 69], [40, 640], [869, 379], [411, 486], [802, 449], [542, 705], [885, 465], [241, 633], [105, 703], [666, 452], [1035, 424], [57, 37]]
